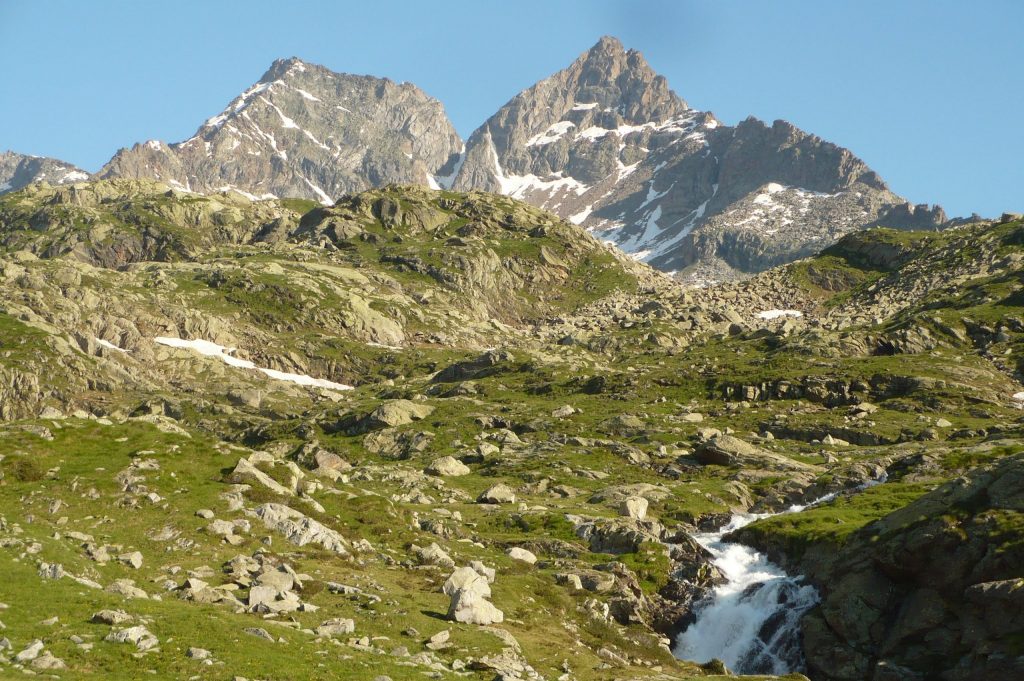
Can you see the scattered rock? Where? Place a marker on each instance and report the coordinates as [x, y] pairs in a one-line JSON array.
[[497, 494], [470, 607], [336, 627], [433, 555], [516, 553], [634, 507], [447, 466], [300, 529], [139, 636], [111, 617]]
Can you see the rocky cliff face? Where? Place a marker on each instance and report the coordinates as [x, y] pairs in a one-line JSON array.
[[20, 170], [931, 591], [606, 144], [305, 131]]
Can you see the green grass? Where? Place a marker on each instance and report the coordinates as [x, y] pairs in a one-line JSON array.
[[831, 524]]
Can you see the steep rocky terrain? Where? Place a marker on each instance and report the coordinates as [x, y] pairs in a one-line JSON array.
[[303, 130], [445, 433], [20, 170], [606, 144]]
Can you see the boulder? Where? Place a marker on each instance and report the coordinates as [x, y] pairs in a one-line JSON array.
[[47, 662], [433, 555], [246, 473], [336, 627], [111, 617], [469, 579], [469, 607], [394, 444], [726, 450], [497, 494], [482, 569], [516, 553], [139, 636], [634, 507], [447, 466], [486, 364], [393, 413]]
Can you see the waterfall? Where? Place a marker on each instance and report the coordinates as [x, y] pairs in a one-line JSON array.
[[752, 621]]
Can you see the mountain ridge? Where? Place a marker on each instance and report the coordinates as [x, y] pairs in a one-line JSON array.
[[605, 143]]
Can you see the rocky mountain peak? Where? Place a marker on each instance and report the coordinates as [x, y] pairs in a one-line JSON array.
[[608, 145], [19, 170], [303, 130], [282, 68], [604, 142], [622, 80]]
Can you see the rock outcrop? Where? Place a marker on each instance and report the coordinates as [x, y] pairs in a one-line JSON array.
[[933, 590]]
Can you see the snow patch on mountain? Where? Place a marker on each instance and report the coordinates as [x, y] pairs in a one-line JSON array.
[[553, 133], [222, 353], [446, 181]]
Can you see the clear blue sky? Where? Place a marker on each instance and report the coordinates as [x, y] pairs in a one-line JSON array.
[[930, 93]]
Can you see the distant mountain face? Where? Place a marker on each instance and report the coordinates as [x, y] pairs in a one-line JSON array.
[[305, 131], [606, 144], [20, 170]]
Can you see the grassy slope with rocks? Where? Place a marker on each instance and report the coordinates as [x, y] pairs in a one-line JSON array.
[[475, 327]]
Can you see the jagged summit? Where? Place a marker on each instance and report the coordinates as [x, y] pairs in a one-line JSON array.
[[304, 130], [621, 79], [19, 170], [607, 144]]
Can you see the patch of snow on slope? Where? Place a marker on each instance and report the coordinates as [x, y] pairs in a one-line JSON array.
[[446, 181], [209, 349], [584, 107], [554, 132], [653, 195], [517, 186], [232, 188], [73, 176], [579, 218], [239, 104], [285, 121], [638, 241], [109, 345], [306, 95], [668, 244], [324, 198], [775, 314], [5, 186], [680, 124], [314, 140], [154, 145]]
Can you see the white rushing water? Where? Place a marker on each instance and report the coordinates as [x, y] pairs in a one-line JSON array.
[[752, 621]]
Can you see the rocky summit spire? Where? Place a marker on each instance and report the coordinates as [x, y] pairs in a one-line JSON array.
[[622, 80]]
